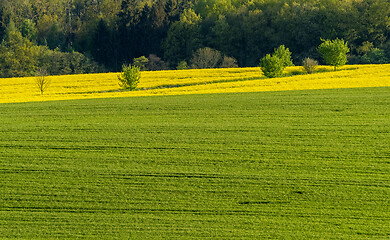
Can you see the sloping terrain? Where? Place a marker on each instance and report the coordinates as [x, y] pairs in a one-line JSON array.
[[308, 164]]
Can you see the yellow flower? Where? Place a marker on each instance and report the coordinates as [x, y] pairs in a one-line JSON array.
[[194, 81]]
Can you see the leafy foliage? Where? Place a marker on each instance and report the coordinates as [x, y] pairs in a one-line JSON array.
[[284, 55], [141, 63], [183, 38], [334, 52], [375, 56], [182, 65], [18, 56], [129, 77], [273, 66], [61, 63]]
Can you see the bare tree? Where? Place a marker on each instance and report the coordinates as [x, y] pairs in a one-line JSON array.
[[206, 58], [228, 62], [309, 65], [155, 63], [41, 80]]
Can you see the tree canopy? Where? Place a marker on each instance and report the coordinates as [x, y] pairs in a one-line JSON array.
[[334, 52]]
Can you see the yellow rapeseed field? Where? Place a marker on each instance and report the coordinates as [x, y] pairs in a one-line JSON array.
[[197, 81]]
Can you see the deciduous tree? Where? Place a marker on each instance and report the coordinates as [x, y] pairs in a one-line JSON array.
[[129, 77], [334, 52], [18, 56], [272, 66]]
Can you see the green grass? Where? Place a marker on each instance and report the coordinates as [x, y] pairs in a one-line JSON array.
[[279, 165]]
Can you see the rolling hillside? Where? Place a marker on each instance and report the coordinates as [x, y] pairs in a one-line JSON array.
[[310, 164], [194, 154]]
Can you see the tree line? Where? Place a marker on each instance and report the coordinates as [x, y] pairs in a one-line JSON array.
[[82, 36]]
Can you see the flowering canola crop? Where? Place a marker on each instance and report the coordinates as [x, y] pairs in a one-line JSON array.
[[195, 81]]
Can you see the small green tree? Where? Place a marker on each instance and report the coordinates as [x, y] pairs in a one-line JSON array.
[[284, 55], [272, 66], [129, 77], [334, 52]]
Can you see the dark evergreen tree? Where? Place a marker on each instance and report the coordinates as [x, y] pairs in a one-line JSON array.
[[2, 25], [102, 47], [128, 18], [143, 33]]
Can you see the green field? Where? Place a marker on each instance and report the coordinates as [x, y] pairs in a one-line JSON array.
[[277, 165]]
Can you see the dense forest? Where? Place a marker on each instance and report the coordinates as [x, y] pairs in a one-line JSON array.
[[82, 36]]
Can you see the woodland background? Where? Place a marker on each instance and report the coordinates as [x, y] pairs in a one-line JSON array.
[[84, 36]]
